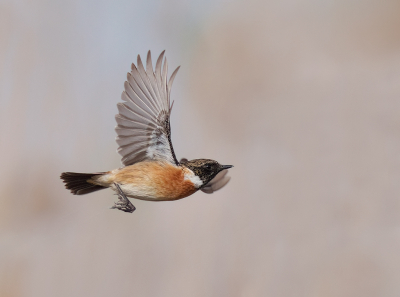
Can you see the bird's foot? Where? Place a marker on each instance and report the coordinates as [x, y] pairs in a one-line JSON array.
[[123, 202]]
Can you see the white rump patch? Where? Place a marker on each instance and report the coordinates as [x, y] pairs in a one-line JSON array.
[[189, 175]]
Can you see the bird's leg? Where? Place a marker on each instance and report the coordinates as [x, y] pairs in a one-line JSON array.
[[123, 202]]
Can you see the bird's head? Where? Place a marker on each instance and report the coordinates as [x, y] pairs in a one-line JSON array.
[[205, 169]]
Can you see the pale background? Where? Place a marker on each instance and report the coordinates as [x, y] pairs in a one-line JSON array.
[[302, 97]]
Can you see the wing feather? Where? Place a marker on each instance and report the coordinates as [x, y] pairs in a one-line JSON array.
[[123, 131], [134, 115], [128, 123], [137, 79], [133, 140], [146, 80], [133, 106], [149, 67], [164, 81], [137, 94], [129, 95], [171, 80], [221, 183], [218, 182], [134, 157], [129, 149], [143, 121], [158, 74], [207, 190]]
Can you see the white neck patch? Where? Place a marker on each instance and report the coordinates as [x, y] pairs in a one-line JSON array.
[[189, 175]]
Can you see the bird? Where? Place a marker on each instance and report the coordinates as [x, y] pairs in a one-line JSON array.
[[150, 168]]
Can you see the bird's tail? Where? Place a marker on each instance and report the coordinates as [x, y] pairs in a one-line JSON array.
[[78, 183]]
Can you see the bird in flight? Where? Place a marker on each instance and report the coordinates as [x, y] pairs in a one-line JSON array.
[[150, 169]]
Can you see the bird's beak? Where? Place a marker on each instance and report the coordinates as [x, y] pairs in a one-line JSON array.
[[226, 166]]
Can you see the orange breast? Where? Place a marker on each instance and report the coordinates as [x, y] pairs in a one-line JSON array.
[[154, 181]]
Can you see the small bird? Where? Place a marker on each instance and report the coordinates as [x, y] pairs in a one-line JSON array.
[[151, 170]]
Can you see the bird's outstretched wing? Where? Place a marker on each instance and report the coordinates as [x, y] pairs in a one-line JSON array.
[[218, 182], [143, 121]]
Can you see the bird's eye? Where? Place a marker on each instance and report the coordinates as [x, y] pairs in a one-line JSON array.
[[208, 167]]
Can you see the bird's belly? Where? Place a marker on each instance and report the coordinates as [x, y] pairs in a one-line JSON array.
[[149, 193], [154, 181]]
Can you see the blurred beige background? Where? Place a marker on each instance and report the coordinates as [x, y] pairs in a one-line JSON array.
[[303, 97]]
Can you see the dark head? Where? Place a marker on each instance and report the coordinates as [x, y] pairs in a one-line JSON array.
[[205, 169]]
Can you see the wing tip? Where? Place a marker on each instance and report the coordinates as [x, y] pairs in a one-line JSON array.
[[139, 61]]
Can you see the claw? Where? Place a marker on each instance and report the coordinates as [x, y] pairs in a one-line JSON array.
[[123, 204]]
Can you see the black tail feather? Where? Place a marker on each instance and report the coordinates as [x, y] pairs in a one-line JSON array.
[[78, 183]]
